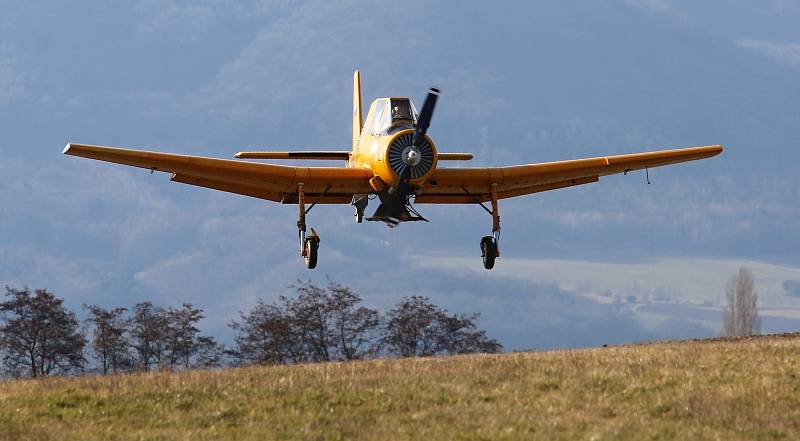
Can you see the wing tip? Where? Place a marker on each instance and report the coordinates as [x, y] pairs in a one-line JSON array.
[[66, 149]]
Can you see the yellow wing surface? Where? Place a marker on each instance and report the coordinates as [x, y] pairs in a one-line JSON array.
[[337, 185], [265, 181], [468, 185]]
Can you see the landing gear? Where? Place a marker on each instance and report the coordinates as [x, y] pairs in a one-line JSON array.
[[309, 245], [310, 250], [360, 201], [488, 251], [489, 244]]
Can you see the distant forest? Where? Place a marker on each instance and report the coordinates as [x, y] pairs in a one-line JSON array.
[[39, 336]]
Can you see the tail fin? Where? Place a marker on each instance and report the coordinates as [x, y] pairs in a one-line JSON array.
[[358, 119]]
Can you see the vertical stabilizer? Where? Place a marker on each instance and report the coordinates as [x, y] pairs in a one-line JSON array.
[[357, 117]]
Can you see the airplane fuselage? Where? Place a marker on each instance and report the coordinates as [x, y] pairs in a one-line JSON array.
[[400, 157]]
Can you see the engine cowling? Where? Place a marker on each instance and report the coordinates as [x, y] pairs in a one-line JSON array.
[[422, 161]]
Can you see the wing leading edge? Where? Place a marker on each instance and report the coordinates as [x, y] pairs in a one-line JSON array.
[[469, 185], [265, 181]]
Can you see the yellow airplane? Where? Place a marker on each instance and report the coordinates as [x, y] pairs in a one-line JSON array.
[[392, 159]]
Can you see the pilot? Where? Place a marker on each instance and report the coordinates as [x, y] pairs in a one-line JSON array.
[[401, 113]]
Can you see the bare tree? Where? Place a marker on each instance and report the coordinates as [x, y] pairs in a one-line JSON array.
[[458, 334], [411, 327], [109, 342], [417, 327], [355, 328], [208, 353], [266, 335], [39, 335], [740, 316], [181, 333], [329, 322], [311, 320], [320, 324], [148, 331]]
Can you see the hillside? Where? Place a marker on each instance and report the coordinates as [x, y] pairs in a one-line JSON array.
[[712, 389]]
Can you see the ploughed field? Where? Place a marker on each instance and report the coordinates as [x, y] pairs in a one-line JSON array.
[[713, 389]]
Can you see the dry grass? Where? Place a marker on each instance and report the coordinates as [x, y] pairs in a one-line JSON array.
[[728, 390]]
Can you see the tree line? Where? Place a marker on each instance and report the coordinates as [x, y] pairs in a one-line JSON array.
[[40, 336], [330, 323]]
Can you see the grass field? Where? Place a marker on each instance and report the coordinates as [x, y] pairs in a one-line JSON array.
[[726, 390]]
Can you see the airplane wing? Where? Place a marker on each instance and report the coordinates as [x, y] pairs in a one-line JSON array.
[[332, 185], [470, 185]]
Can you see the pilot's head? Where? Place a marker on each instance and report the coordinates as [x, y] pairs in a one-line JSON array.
[[400, 112]]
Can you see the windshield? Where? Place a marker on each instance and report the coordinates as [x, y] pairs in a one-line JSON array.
[[389, 113]]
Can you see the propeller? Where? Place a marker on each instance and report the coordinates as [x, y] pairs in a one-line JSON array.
[[424, 120], [421, 128]]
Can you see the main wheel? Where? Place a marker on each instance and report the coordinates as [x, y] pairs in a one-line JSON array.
[[488, 251], [311, 246]]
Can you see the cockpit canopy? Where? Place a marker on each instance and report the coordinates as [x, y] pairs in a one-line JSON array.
[[387, 115]]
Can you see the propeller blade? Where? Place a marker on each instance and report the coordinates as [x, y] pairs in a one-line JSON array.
[[423, 122], [425, 115]]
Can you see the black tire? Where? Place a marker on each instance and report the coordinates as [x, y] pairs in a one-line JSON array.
[[488, 251], [311, 253]]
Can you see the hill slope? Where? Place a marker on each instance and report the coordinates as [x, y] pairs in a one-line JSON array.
[[715, 389]]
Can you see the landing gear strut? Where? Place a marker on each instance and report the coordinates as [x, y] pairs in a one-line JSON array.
[[360, 202], [309, 245], [489, 244]]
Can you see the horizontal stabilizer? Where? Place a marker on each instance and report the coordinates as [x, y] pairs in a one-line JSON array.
[[454, 156], [344, 156]]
